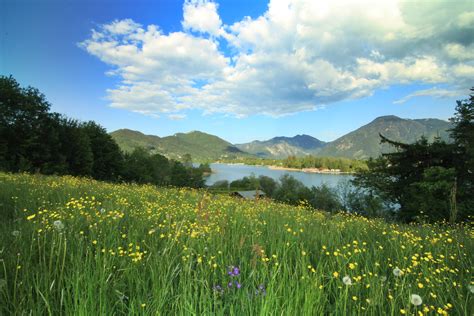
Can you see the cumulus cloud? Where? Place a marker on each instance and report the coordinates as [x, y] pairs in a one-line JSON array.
[[297, 56], [201, 16]]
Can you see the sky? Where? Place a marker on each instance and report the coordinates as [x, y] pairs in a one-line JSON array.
[[242, 70]]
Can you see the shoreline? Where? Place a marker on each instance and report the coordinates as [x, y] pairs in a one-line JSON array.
[[309, 170], [305, 170]]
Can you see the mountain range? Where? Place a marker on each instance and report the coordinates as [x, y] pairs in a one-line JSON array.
[[362, 143]]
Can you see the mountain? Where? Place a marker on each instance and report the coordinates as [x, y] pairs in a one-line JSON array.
[[282, 147], [364, 142], [200, 146]]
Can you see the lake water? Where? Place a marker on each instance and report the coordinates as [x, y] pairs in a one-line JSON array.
[[231, 172]]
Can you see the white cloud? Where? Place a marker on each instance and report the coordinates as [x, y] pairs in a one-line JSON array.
[[432, 92], [176, 117], [298, 56], [201, 16]]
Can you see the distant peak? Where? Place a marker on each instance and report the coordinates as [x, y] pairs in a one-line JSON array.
[[388, 118]]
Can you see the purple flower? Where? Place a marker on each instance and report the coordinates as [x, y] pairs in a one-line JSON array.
[[229, 284], [238, 285], [236, 271], [233, 271]]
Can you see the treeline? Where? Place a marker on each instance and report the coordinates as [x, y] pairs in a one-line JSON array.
[[33, 139], [287, 189], [341, 164], [310, 161]]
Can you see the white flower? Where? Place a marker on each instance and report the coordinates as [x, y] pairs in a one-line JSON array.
[[102, 211], [58, 225], [397, 272], [471, 288], [347, 280], [416, 299], [16, 233]]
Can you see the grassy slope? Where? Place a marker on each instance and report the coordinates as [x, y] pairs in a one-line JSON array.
[[128, 249]]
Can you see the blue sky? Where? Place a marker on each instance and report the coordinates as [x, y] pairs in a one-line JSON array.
[[242, 70]]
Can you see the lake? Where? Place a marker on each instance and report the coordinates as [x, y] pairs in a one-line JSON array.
[[231, 172]]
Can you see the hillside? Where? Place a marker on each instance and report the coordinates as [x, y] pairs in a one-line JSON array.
[[199, 145], [282, 147], [365, 141]]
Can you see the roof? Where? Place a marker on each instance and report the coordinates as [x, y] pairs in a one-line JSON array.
[[250, 195]]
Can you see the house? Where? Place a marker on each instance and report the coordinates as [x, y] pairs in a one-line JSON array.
[[249, 195]]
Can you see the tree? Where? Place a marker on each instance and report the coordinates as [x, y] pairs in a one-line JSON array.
[[23, 112], [107, 157], [291, 191], [325, 198]]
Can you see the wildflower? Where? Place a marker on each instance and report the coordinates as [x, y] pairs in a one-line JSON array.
[[347, 280], [233, 271], [471, 288], [102, 211], [352, 266], [31, 217], [402, 311], [261, 290], [16, 233], [420, 285], [238, 285], [335, 274], [383, 278], [397, 272], [218, 289], [58, 225], [416, 299], [354, 298]]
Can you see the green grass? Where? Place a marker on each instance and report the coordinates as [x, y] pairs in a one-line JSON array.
[[129, 249]]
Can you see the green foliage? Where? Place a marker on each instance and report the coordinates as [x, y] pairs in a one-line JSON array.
[[324, 163], [291, 191], [306, 162], [325, 198], [34, 140]]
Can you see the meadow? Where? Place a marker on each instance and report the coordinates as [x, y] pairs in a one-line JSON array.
[[74, 246]]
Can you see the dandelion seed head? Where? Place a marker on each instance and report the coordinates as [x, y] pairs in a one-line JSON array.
[[16, 233], [58, 225], [347, 280], [397, 272], [416, 300]]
